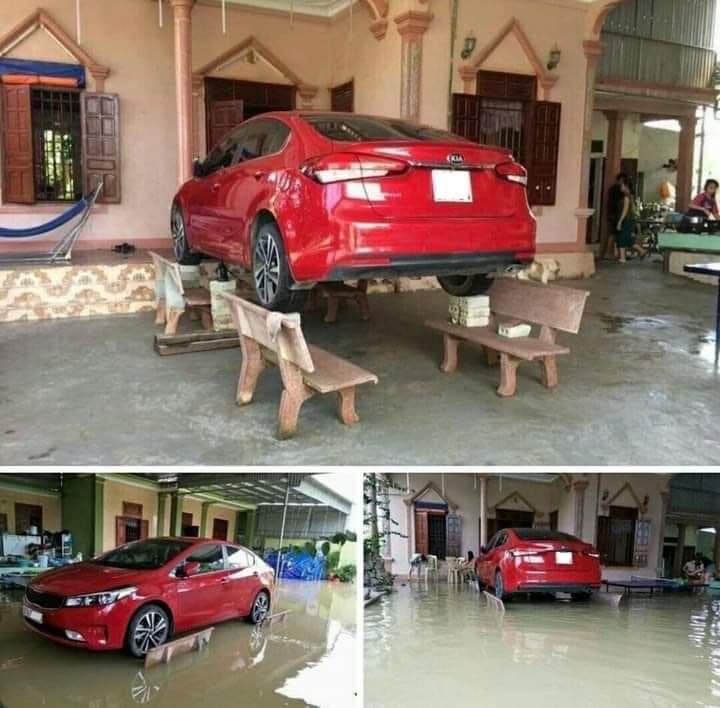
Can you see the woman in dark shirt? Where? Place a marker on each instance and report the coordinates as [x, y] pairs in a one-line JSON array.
[[706, 201], [625, 234]]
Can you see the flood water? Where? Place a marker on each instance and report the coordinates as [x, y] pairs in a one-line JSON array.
[[433, 645], [306, 660]]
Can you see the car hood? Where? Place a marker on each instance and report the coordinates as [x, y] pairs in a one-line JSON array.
[[83, 578]]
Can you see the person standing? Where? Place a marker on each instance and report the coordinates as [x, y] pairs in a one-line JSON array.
[[626, 224], [613, 210]]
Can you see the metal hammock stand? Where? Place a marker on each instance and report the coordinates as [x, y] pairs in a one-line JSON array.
[[62, 250]]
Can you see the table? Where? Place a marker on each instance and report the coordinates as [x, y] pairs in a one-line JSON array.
[[650, 584], [713, 270]]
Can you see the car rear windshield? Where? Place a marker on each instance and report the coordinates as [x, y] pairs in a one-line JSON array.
[[143, 555], [353, 128], [543, 535]]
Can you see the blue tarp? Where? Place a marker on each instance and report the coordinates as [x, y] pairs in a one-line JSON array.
[[42, 229], [59, 70], [298, 566]]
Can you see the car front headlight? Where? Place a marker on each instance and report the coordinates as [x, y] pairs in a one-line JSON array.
[[99, 599]]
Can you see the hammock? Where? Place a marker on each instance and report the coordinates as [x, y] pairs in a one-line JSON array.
[[62, 250]]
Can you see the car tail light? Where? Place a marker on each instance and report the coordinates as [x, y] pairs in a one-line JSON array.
[[522, 554], [512, 172], [347, 166]]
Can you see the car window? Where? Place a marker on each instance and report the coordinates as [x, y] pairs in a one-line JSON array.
[[143, 555], [224, 153], [276, 135], [210, 558], [251, 144], [354, 128], [502, 538], [239, 557], [493, 541]]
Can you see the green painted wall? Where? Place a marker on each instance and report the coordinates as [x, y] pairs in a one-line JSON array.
[[78, 500]]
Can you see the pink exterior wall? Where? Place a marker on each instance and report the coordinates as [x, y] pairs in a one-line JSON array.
[[125, 37]]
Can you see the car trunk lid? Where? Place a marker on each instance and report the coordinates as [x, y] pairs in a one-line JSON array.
[[443, 180]]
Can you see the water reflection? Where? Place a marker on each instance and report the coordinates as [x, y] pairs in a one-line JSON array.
[[425, 642], [255, 666]]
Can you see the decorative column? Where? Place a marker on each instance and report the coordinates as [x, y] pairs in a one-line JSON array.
[[593, 50], [579, 488], [664, 506], [686, 161], [176, 505], [483, 510], [162, 506], [99, 515], [677, 560], [613, 161], [204, 515], [411, 26], [182, 16]]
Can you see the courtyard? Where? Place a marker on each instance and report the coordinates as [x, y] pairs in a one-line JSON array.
[[637, 388]]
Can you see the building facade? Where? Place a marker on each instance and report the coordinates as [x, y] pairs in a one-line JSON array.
[[160, 80]]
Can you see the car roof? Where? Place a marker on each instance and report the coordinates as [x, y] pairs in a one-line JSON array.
[[525, 533]]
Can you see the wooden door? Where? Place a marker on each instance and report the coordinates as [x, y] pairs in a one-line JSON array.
[[130, 528], [18, 182], [220, 530], [422, 541], [224, 116], [454, 535], [342, 98], [544, 138]]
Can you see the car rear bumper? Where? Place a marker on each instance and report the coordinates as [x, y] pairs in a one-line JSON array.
[[557, 587], [102, 629], [433, 264]]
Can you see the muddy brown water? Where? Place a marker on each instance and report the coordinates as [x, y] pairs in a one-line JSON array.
[[434, 645], [308, 660]]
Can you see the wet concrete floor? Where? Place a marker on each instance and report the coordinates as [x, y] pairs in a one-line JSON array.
[[640, 387], [431, 644], [306, 661]]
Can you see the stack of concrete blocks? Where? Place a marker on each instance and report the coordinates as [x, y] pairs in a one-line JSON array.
[[470, 311]]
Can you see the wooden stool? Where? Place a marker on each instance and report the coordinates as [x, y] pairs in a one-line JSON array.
[[335, 292]]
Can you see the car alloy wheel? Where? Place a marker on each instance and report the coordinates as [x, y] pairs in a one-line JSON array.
[[499, 588], [179, 238], [260, 608], [151, 630], [266, 268]]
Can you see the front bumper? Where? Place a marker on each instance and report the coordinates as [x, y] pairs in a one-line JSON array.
[[434, 264], [101, 628]]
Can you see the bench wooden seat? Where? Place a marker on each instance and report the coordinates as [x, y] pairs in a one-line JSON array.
[[276, 338], [554, 308], [174, 298]]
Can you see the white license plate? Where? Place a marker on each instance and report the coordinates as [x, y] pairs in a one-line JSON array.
[[33, 615], [563, 557], [452, 186]]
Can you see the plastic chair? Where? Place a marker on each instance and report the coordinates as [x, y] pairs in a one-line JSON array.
[[455, 570], [431, 566]]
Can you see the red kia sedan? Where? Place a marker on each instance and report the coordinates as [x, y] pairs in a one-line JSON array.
[[538, 561], [139, 595], [300, 198]]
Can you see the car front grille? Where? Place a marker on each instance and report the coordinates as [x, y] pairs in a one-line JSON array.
[[46, 600]]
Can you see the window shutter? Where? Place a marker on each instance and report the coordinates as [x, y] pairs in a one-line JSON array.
[[101, 144], [454, 535], [543, 149], [421, 533], [466, 116], [18, 183]]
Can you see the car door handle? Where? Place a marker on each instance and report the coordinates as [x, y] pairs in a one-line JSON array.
[[215, 187], [258, 175]]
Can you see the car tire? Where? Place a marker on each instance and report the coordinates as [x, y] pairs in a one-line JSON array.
[[181, 247], [260, 608], [463, 285], [149, 628], [499, 587], [580, 596], [272, 280]]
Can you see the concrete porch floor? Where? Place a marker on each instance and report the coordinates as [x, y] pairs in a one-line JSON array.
[[639, 388]]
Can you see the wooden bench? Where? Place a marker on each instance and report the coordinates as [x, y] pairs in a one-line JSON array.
[[174, 298], [275, 338], [554, 308], [334, 293]]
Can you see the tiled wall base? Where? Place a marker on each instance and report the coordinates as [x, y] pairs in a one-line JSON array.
[[42, 293]]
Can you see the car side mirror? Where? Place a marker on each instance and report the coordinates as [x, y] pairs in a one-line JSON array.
[[188, 569], [197, 170], [483, 550]]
